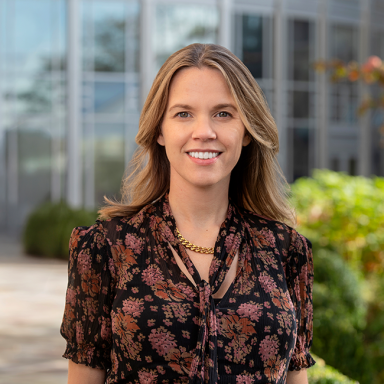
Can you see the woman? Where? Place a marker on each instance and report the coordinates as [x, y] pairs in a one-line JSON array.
[[194, 277]]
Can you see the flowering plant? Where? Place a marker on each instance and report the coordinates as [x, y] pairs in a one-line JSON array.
[[370, 72]]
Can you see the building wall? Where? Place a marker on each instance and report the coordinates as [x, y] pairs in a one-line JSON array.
[[74, 75]]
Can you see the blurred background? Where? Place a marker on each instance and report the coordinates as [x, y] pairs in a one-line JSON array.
[[73, 77]]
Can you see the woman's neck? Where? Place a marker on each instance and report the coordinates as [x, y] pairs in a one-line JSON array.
[[194, 207]]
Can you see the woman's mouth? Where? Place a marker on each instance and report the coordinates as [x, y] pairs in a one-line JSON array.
[[203, 155]]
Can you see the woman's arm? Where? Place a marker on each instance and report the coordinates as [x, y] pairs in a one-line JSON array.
[[297, 377], [89, 286], [82, 374]]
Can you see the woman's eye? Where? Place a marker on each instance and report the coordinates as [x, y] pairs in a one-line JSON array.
[[223, 114], [183, 114]]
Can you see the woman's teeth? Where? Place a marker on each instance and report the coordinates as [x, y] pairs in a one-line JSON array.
[[203, 155]]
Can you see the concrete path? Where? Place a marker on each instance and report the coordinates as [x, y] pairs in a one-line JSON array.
[[32, 297]]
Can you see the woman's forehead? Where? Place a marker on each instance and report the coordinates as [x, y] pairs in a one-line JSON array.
[[199, 84]]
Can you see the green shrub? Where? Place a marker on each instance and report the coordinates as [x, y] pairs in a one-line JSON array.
[[340, 316], [321, 373], [49, 227], [346, 212], [343, 216], [374, 332]]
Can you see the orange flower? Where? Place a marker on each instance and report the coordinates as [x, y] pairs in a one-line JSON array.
[[168, 291], [232, 326], [74, 240], [124, 325], [90, 283], [122, 256], [373, 62], [180, 361], [354, 75]]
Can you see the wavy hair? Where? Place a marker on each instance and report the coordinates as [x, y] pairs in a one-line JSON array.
[[257, 182]]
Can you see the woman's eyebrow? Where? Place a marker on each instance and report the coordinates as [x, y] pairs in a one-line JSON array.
[[218, 106], [182, 106]]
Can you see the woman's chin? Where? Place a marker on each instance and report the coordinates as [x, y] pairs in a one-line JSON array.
[[203, 178], [209, 182]]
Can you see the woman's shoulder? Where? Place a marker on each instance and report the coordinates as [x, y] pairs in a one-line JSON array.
[[267, 227], [115, 229], [87, 237], [99, 241]]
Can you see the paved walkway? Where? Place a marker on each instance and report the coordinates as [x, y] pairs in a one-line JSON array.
[[32, 296]]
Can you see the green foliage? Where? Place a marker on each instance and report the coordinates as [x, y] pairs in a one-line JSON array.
[[321, 373], [338, 289], [339, 316], [49, 227], [343, 216], [374, 332], [345, 212]]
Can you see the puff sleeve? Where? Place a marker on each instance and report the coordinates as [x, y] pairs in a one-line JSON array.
[[299, 273], [86, 323]]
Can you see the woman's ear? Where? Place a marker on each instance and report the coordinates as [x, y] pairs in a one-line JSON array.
[[246, 139], [160, 138]]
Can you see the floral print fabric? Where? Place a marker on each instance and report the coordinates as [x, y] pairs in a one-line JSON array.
[[132, 311]]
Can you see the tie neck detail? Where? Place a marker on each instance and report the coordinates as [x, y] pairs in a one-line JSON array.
[[230, 241]]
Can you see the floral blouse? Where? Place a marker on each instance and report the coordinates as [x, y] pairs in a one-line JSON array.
[[131, 310]]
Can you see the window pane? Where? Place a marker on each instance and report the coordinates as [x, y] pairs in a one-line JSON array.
[[180, 25], [344, 102], [109, 160], [301, 100], [377, 145], [60, 40], [130, 135], [4, 42], [32, 28], [34, 160], [132, 56], [109, 39], [86, 35], [335, 164], [344, 98], [3, 175], [343, 42], [132, 102], [303, 156], [34, 32], [377, 118], [253, 44], [110, 36], [28, 95], [352, 166], [109, 97], [300, 42], [378, 44]]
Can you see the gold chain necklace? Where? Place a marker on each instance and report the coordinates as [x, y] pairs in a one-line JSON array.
[[193, 247]]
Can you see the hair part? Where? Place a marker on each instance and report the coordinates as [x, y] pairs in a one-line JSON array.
[[257, 182]]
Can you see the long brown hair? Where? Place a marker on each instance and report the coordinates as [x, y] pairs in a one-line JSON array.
[[257, 182]]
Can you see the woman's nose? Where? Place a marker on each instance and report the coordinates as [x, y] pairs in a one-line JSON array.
[[203, 130]]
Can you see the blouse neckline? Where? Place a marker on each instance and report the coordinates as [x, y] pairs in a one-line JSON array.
[[230, 240]]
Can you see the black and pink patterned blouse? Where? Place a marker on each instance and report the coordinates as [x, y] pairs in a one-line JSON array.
[[132, 311]]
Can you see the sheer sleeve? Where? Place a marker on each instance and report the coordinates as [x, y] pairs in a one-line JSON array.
[[86, 323], [299, 271]]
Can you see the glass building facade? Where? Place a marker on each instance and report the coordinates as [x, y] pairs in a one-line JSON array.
[[74, 75]]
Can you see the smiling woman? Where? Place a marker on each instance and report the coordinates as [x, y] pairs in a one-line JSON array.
[[196, 276], [201, 129]]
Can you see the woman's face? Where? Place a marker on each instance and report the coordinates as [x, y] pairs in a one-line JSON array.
[[201, 129]]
